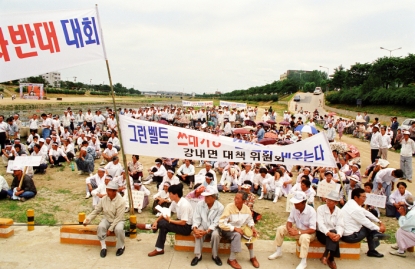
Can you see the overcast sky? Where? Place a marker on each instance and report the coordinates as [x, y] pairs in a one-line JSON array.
[[204, 46]]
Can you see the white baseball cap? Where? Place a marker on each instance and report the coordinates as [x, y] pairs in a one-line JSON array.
[[298, 197]]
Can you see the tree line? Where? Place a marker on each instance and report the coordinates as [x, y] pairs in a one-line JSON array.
[[386, 81]]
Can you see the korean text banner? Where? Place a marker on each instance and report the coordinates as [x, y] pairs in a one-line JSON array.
[[197, 103], [232, 104], [35, 43], [154, 139]]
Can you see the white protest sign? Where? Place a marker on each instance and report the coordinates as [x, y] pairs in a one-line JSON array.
[[324, 188], [27, 160], [138, 199], [232, 104], [375, 200], [10, 167], [289, 205], [197, 103]]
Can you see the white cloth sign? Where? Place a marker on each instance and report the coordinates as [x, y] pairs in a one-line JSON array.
[[154, 139], [289, 205], [138, 199], [197, 103], [27, 160], [9, 169], [324, 188], [38, 42], [233, 104], [375, 200]]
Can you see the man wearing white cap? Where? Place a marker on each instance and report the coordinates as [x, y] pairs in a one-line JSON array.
[[26, 191], [112, 206], [205, 224], [354, 183], [101, 191], [330, 228], [304, 217], [407, 150]]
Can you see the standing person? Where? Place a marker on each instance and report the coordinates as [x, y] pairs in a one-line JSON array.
[[112, 206], [407, 150], [205, 224], [331, 132], [366, 118], [46, 125], [358, 224], [385, 142], [303, 217], [330, 227], [26, 191], [375, 142], [3, 128], [394, 126], [340, 128], [261, 132], [34, 124], [236, 224]]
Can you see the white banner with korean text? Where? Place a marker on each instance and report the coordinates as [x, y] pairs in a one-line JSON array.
[[154, 139], [39, 42], [233, 104], [197, 103]]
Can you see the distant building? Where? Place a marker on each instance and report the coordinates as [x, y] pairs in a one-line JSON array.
[[291, 72], [53, 78]]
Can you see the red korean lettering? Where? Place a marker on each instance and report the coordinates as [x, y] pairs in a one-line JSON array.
[[3, 47], [52, 43], [182, 136], [20, 37]]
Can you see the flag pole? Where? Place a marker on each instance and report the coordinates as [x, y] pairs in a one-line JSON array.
[[130, 196]]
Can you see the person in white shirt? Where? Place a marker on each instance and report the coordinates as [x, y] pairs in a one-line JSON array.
[[397, 200], [407, 150], [112, 123], [229, 180], [304, 218], [200, 177], [41, 169], [162, 198], [92, 182], [157, 172], [305, 186], [387, 178], [331, 133], [183, 224], [259, 181], [170, 178], [4, 187], [115, 141], [186, 172], [227, 129], [57, 155], [114, 168], [385, 143], [246, 174], [375, 142], [46, 125], [358, 224], [330, 227], [34, 124], [272, 187], [109, 153], [286, 181], [265, 117], [100, 191]]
